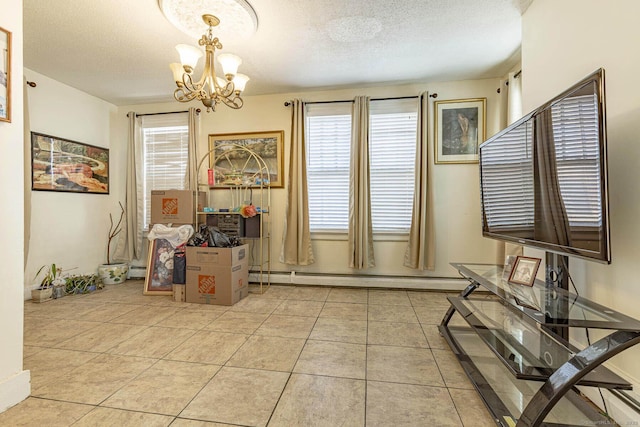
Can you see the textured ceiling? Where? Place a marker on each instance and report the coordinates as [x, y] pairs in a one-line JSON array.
[[119, 50]]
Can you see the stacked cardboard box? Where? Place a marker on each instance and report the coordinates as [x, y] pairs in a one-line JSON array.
[[217, 275], [175, 206]]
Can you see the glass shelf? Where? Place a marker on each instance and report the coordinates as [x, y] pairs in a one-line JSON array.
[[522, 345], [549, 306], [505, 396]]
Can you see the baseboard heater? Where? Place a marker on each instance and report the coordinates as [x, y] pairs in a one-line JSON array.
[[137, 272], [362, 281]]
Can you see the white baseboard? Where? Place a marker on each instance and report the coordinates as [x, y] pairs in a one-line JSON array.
[[418, 283], [14, 390]]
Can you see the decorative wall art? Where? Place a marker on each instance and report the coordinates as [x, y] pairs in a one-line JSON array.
[[5, 75], [159, 276], [266, 145], [459, 129], [59, 164]]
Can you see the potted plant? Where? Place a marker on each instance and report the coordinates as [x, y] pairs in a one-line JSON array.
[[116, 272], [44, 292], [82, 283]]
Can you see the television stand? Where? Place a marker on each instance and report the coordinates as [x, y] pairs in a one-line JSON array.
[[535, 383]]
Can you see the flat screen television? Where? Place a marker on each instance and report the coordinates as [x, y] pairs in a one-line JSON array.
[[543, 179]]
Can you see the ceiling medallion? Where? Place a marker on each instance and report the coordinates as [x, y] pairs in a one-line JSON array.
[[238, 20]]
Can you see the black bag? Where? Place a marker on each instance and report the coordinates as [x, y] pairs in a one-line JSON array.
[[179, 266]]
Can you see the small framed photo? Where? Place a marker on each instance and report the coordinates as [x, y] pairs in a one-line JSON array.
[[524, 271], [459, 129], [159, 278], [5, 75]]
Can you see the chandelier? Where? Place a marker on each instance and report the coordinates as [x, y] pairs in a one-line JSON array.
[[209, 89]]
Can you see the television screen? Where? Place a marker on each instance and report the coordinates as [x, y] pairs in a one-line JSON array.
[[544, 178]]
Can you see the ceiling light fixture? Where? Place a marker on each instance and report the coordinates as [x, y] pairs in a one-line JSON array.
[[209, 89]]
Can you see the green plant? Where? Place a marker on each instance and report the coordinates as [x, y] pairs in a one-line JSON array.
[[82, 283], [51, 276], [113, 231]]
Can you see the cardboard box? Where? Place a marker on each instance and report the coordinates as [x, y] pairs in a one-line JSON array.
[[175, 206], [217, 275]]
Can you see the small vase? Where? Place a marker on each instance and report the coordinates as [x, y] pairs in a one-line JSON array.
[[113, 273], [41, 295]]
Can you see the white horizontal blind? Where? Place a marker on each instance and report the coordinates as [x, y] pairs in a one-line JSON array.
[[165, 154], [507, 179], [578, 158], [328, 137], [392, 149]]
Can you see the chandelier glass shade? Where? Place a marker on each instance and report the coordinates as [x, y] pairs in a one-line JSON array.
[[209, 89]]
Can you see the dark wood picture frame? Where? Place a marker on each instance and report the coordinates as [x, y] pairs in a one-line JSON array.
[[524, 271], [59, 164]]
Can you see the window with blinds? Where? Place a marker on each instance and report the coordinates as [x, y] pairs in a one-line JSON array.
[[507, 169], [578, 158], [392, 149], [507, 180], [328, 136], [165, 145]]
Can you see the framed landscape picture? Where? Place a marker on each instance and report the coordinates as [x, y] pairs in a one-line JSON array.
[[459, 129], [59, 164], [232, 163], [5, 75]]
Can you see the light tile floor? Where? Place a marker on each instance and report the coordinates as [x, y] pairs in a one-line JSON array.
[[294, 356]]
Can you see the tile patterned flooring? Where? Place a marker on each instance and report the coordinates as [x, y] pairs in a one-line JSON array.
[[293, 356]]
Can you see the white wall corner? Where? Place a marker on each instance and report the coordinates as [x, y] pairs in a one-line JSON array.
[[14, 390]]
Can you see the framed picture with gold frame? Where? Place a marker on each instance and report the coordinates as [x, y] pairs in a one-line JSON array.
[[459, 129], [159, 276], [225, 159], [5, 75]]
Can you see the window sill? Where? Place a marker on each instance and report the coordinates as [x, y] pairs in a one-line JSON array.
[[339, 236]]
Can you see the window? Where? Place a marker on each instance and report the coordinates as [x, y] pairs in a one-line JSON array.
[[328, 157], [392, 147], [165, 145], [508, 170], [392, 150], [578, 156]]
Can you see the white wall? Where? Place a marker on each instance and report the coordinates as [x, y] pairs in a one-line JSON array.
[[70, 229], [457, 198], [564, 41], [14, 381]]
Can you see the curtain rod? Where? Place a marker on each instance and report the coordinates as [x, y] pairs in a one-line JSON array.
[[433, 95], [166, 112]]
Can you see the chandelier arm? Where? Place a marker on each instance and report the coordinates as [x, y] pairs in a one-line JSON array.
[[226, 90], [236, 102]]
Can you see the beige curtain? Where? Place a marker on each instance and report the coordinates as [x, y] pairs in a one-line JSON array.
[[360, 228], [191, 175], [27, 172], [421, 253], [552, 222], [129, 246], [296, 239]]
